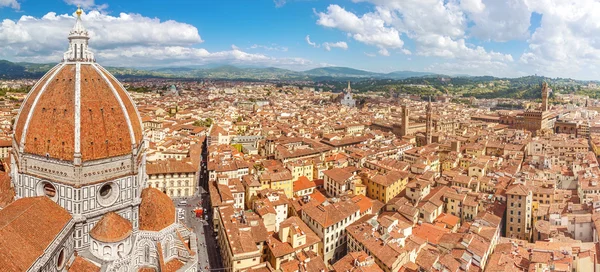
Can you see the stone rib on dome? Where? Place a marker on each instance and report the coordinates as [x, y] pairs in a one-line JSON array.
[[156, 210], [111, 228], [78, 108]]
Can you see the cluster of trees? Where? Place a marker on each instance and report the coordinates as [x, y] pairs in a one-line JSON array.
[[139, 89], [203, 123]]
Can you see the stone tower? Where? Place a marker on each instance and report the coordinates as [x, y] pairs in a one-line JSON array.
[[405, 115], [545, 93], [429, 123]]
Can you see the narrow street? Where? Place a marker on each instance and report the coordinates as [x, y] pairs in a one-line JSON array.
[[209, 257]]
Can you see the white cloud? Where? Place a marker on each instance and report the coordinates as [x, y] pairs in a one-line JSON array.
[[123, 40], [341, 45], [86, 4], [272, 47], [567, 43], [370, 28], [499, 20], [438, 28], [10, 3], [475, 6], [309, 42]]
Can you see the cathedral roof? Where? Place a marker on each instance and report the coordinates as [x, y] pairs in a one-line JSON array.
[[111, 228], [156, 210], [78, 110], [27, 227], [80, 264]]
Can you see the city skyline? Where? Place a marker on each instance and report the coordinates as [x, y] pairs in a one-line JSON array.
[[476, 37]]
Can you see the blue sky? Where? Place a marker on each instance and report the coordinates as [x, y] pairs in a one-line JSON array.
[[478, 37]]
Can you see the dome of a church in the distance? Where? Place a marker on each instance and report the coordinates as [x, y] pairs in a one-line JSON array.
[[78, 112]]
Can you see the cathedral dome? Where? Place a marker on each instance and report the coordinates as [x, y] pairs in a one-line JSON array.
[[111, 228], [78, 111], [156, 210]]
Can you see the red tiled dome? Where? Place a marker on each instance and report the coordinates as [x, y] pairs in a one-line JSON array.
[[156, 210], [78, 108], [111, 228]]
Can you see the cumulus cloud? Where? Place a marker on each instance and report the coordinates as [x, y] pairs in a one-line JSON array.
[[499, 20], [121, 41], [341, 45], [10, 3], [370, 28], [566, 44], [438, 28]]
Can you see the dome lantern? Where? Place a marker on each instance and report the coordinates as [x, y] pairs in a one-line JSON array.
[[78, 42]]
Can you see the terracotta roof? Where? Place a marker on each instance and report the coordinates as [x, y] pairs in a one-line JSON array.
[[327, 215], [111, 228], [104, 127], [173, 265], [348, 263], [303, 183], [156, 210], [7, 193], [339, 175], [82, 265], [518, 189], [430, 232], [22, 240]]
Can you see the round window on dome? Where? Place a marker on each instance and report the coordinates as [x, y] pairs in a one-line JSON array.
[[108, 194], [105, 190], [47, 189]]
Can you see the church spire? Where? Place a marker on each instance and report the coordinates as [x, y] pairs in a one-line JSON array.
[[78, 42]]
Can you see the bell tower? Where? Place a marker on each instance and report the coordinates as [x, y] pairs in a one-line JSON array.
[[545, 93], [429, 123]]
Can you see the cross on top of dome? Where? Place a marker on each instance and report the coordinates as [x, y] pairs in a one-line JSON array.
[[78, 42]]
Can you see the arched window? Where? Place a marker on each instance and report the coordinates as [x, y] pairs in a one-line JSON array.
[[121, 248], [106, 251], [95, 246]]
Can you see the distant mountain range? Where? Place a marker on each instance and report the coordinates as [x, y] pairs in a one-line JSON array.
[[11, 70]]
